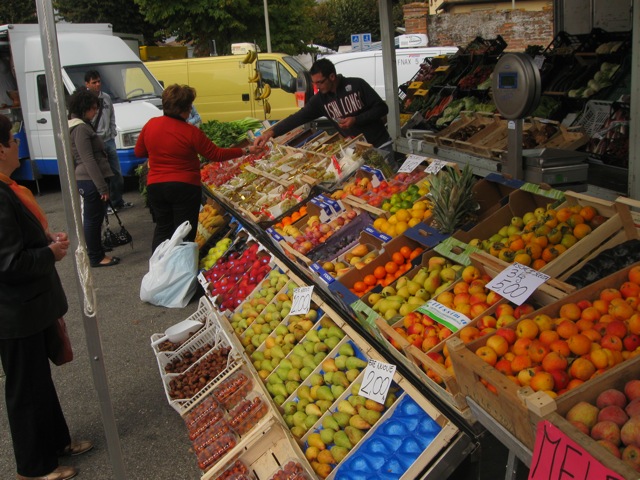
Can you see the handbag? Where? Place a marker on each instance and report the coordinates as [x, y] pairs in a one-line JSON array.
[[112, 239], [58, 343]]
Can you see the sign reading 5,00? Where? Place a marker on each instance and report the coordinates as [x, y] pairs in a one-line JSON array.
[[377, 380], [517, 282]]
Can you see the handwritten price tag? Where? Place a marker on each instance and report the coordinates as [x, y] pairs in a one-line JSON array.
[[517, 282], [411, 163], [377, 380], [301, 301], [435, 166]]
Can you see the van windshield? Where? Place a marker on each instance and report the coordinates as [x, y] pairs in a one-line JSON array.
[[122, 81], [295, 64]]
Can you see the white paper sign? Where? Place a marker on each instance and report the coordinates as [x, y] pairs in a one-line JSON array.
[[411, 163], [435, 166], [517, 282], [301, 301], [445, 316], [377, 380]]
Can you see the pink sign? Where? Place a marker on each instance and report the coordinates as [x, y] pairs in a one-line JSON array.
[[557, 457]]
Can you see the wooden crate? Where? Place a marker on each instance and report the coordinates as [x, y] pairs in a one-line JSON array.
[[477, 143], [519, 409], [499, 148], [480, 120], [465, 119], [567, 139]]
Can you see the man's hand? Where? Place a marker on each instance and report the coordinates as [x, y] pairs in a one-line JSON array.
[[262, 140], [347, 122]]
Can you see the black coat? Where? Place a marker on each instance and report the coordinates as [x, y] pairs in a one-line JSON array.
[[31, 294]]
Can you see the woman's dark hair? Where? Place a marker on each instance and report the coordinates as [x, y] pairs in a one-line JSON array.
[[81, 101], [323, 66], [177, 99], [5, 130]]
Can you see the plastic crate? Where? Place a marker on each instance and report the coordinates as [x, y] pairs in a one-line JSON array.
[[204, 314], [595, 113]]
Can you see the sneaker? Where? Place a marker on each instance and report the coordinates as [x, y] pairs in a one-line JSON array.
[[124, 206], [110, 211]]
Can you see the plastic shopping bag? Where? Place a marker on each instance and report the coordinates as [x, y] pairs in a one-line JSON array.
[[173, 268]]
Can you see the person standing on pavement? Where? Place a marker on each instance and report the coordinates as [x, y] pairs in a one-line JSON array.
[[92, 172], [105, 126], [31, 301], [351, 104], [172, 146]]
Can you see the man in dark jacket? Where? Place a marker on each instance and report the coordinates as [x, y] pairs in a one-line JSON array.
[[351, 104]]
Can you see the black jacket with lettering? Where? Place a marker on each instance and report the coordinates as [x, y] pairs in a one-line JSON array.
[[354, 97]]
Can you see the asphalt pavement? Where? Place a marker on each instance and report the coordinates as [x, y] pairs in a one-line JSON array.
[[153, 437]]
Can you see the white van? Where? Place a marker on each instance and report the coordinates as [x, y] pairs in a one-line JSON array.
[[136, 94], [368, 65]]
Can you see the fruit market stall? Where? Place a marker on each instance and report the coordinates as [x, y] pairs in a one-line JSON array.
[[403, 268]]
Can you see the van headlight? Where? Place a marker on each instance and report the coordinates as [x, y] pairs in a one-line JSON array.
[[129, 139]]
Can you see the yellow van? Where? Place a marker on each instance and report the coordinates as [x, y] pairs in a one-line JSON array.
[[222, 84]]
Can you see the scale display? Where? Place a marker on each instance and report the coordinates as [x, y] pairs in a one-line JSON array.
[[516, 86]]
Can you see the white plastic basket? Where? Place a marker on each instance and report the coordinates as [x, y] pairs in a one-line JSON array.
[[218, 338], [595, 113], [204, 314]]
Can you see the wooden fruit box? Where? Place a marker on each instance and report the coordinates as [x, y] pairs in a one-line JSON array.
[[519, 409], [588, 392], [616, 229], [567, 139], [465, 119], [481, 121], [477, 144], [499, 148]]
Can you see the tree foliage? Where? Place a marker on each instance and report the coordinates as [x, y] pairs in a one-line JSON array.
[[18, 11], [124, 15], [227, 22]]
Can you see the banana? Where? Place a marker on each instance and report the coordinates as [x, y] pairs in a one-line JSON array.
[[255, 78], [267, 107], [247, 57], [266, 91], [257, 94]]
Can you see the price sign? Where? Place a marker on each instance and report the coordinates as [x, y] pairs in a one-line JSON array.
[[517, 282], [435, 166], [377, 380], [301, 301], [556, 456], [411, 163]]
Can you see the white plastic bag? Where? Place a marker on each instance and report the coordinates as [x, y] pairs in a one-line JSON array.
[[173, 269]]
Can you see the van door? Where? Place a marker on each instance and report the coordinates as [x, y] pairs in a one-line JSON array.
[[41, 142], [282, 81]]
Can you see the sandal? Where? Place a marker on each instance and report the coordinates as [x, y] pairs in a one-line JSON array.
[[60, 473], [76, 448], [110, 263]]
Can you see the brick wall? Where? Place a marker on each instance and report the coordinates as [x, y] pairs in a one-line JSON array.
[[415, 17], [518, 28]]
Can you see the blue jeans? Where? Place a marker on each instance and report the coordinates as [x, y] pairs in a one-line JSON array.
[[116, 184], [93, 216], [172, 203]]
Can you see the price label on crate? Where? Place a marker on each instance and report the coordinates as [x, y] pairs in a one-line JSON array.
[[301, 301], [377, 380], [435, 166], [410, 163], [517, 282]]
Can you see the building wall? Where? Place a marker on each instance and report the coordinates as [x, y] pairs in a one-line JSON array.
[[519, 28]]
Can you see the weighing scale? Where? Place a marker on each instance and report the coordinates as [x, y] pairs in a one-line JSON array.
[[516, 92]]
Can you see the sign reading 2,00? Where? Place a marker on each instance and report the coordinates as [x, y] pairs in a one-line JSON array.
[[301, 302], [377, 380]]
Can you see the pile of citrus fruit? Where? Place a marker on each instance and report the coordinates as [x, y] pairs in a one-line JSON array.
[[294, 217], [403, 218], [386, 274]]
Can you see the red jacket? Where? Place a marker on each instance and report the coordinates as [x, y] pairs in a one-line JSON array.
[[172, 146]]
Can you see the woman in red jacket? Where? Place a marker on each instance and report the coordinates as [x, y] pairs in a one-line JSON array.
[[172, 145]]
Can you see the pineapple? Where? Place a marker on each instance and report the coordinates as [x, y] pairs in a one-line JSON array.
[[452, 199]]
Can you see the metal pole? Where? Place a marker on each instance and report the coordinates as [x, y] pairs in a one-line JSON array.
[[86, 292], [514, 165], [266, 26], [634, 124], [390, 68]]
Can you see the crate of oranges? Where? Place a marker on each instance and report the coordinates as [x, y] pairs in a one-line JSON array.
[[523, 370]]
